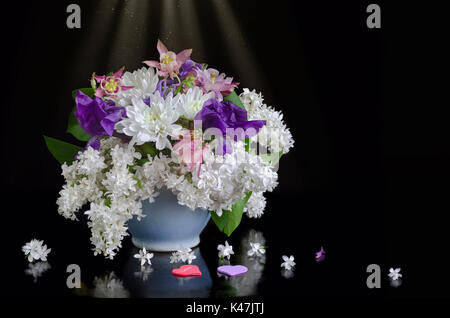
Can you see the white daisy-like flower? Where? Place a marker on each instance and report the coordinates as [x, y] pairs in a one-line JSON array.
[[154, 122], [144, 257], [192, 102], [144, 82], [394, 274], [288, 263], [256, 250], [35, 250], [225, 251], [183, 255]]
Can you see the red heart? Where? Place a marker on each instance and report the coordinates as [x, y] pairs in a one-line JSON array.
[[187, 270]]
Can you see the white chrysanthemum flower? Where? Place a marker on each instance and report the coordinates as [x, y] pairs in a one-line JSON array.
[[192, 102], [153, 123], [144, 82], [36, 250], [144, 257], [288, 263], [184, 255], [225, 251]]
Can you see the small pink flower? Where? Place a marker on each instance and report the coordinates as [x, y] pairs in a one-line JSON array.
[[211, 80], [169, 63], [110, 85], [190, 150]]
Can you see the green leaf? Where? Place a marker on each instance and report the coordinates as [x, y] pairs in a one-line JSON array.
[[234, 98], [229, 220], [74, 128], [61, 150], [89, 91]]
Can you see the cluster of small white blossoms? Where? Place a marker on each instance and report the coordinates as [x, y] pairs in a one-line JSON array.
[[274, 135]]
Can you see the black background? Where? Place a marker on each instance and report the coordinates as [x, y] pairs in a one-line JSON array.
[[367, 176]]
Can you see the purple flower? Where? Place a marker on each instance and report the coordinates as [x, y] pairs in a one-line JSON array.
[[95, 116], [230, 119]]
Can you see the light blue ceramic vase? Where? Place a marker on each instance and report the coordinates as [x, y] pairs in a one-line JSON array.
[[167, 225]]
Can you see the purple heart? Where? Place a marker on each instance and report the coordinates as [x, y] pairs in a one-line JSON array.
[[230, 270]]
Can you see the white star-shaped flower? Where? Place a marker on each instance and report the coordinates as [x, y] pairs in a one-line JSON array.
[[225, 251], [144, 257], [288, 263], [256, 250], [35, 250], [144, 272], [394, 274]]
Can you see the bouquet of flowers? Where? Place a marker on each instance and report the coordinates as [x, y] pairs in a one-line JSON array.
[[176, 124]]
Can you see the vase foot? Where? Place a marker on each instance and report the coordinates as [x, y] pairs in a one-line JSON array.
[[166, 246]]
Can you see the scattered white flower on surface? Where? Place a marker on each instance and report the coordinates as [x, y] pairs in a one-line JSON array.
[[274, 135], [144, 257], [256, 250], [288, 263], [186, 255], [37, 269], [394, 274], [225, 251], [36, 250]]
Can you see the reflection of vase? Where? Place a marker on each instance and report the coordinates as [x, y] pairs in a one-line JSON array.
[[167, 225], [157, 281]]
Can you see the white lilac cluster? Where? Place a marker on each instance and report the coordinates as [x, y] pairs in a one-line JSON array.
[[37, 269], [274, 135]]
